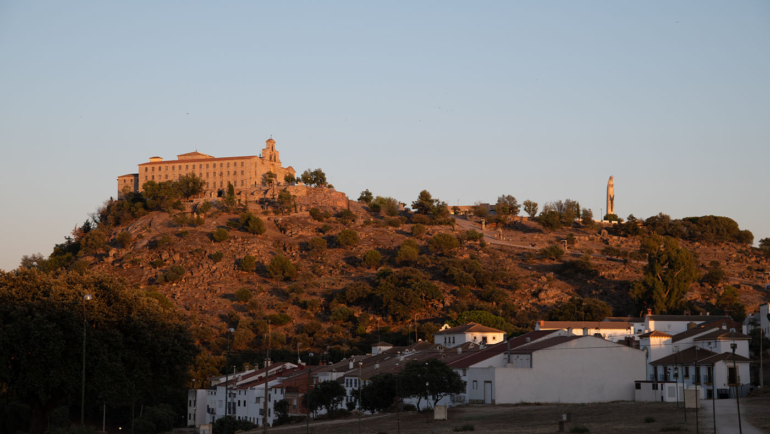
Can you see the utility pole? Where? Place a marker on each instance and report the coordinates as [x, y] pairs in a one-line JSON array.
[[360, 407], [737, 389], [697, 398], [307, 399], [714, 394], [267, 377], [86, 298], [227, 385]]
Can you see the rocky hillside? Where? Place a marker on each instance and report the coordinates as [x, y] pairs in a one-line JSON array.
[[506, 273]]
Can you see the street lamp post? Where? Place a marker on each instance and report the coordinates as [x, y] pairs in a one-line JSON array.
[[86, 298], [227, 379], [360, 407], [427, 398], [697, 398]]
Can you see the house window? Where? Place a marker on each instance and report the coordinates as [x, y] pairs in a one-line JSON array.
[[475, 385], [638, 386], [654, 386], [686, 372], [731, 376]]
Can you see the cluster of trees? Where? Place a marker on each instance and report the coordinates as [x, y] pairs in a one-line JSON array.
[[313, 178], [709, 229], [136, 351], [429, 380]]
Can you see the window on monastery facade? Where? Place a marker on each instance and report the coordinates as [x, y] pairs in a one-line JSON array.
[[228, 173], [221, 173], [241, 163], [221, 165], [153, 177], [146, 169], [186, 167], [200, 175], [241, 172], [166, 168], [228, 164], [166, 176], [153, 168], [173, 167], [241, 183], [207, 185]]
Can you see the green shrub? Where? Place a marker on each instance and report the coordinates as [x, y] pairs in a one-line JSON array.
[[393, 222], [162, 299], [217, 256], [347, 238], [232, 225], [443, 243], [316, 214], [372, 258], [418, 229], [420, 219], [248, 263], [183, 234], [407, 253], [204, 207], [281, 268], [279, 319], [174, 274], [465, 427], [325, 229], [552, 252], [124, 239], [346, 216], [221, 234], [473, 235], [243, 295], [158, 263], [317, 245]]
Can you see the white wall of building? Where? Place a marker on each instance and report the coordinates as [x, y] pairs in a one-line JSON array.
[[582, 370]]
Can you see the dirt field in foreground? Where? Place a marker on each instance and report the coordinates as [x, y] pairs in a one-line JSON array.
[[598, 418]]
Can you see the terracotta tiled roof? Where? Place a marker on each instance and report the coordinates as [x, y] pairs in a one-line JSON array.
[[655, 334], [723, 335], [545, 343], [624, 318], [494, 350], [686, 357], [198, 160], [382, 344], [686, 318], [584, 324], [695, 331], [471, 327], [723, 356]]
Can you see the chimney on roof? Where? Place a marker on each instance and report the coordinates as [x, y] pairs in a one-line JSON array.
[[350, 364], [527, 339], [376, 366], [707, 313], [649, 311], [724, 326], [691, 325], [459, 350], [687, 311]]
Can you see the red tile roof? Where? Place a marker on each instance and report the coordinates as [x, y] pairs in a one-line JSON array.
[[686, 357], [198, 160], [545, 343], [584, 324], [494, 350], [655, 334], [723, 335]]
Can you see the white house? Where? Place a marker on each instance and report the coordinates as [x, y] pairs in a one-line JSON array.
[[673, 324], [614, 331], [471, 332], [760, 318], [570, 369]]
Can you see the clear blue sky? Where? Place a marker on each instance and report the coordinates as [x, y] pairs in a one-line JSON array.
[[470, 100]]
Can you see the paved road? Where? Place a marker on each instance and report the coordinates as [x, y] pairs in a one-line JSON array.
[[727, 417]]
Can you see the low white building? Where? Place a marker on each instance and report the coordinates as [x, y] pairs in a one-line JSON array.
[[570, 369], [451, 337], [614, 331], [759, 319]]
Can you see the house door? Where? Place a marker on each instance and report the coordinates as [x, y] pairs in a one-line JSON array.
[[487, 392]]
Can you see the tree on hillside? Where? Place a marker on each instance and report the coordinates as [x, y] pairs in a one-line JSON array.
[[715, 274], [313, 178], [727, 303], [482, 317], [269, 178], [550, 220], [669, 272], [365, 197], [134, 347], [229, 199], [289, 178], [507, 205], [190, 185], [580, 309], [530, 208], [424, 202]]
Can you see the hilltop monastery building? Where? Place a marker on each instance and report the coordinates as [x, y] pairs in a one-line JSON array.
[[243, 172]]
